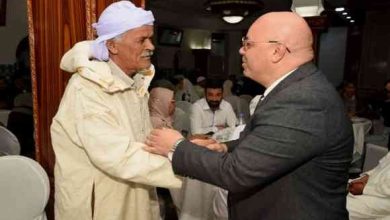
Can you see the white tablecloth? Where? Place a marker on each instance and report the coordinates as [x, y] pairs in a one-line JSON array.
[[361, 127]]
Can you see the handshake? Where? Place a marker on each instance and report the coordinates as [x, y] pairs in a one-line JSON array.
[[206, 141], [162, 141]]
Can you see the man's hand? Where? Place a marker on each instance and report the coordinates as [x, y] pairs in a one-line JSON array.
[[202, 141], [160, 141], [356, 187], [219, 147], [211, 144]]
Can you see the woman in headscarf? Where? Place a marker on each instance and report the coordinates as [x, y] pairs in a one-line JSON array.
[[161, 107]]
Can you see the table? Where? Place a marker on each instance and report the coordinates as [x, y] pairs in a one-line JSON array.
[[361, 127]]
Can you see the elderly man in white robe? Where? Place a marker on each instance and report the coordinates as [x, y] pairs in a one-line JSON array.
[[369, 195], [101, 171]]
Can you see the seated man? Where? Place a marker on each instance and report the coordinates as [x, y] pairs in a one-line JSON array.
[[212, 113], [369, 196]]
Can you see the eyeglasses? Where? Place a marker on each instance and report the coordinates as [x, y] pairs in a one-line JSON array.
[[246, 44]]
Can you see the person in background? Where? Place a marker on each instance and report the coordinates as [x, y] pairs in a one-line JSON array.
[[199, 87], [184, 90], [161, 107], [240, 105], [101, 171], [227, 88], [348, 95], [20, 119], [291, 161], [369, 195], [212, 113]]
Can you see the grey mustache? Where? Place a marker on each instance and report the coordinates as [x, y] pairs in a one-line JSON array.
[[148, 53]]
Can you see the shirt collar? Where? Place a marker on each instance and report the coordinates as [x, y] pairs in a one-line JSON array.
[[274, 84], [118, 72], [205, 105]]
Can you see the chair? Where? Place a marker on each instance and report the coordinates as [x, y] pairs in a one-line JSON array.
[[182, 122], [4, 116], [373, 153], [234, 101], [185, 106], [248, 98], [9, 143], [24, 189]]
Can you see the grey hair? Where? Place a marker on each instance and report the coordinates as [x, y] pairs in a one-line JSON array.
[[118, 38]]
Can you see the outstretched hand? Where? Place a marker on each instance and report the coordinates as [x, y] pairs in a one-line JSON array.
[[161, 141], [210, 143]]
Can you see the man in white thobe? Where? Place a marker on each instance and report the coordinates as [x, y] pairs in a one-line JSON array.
[[101, 170]]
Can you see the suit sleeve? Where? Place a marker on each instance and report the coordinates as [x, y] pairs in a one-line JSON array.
[[283, 136]]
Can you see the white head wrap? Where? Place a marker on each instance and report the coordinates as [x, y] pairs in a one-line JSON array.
[[116, 19]]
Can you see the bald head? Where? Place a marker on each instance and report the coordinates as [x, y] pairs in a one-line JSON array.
[[276, 44], [286, 27]]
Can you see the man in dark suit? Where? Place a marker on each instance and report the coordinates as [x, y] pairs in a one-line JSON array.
[[292, 159]]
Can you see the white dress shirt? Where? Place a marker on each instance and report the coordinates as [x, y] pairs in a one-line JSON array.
[[274, 84], [204, 120]]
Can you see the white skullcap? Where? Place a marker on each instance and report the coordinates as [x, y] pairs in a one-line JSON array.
[[116, 19], [200, 79]]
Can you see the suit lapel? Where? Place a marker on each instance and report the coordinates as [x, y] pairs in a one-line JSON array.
[[302, 72]]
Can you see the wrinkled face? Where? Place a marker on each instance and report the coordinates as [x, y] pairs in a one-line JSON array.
[[132, 51], [214, 97]]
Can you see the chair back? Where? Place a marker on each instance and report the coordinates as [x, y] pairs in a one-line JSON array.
[[182, 122], [4, 116], [9, 144], [373, 153], [24, 189], [185, 106], [248, 98]]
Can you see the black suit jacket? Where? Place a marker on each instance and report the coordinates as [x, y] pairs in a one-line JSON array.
[[292, 159]]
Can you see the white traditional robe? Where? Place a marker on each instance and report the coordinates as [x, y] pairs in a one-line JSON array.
[[374, 203], [97, 135]]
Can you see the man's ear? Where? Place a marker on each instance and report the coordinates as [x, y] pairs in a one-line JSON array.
[[112, 47], [278, 53]]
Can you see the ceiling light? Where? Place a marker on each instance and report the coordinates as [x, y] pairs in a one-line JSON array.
[[233, 10], [345, 13], [339, 9], [232, 19], [307, 9], [348, 17], [352, 21]]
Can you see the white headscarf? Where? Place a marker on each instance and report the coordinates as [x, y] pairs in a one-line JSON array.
[[116, 19]]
